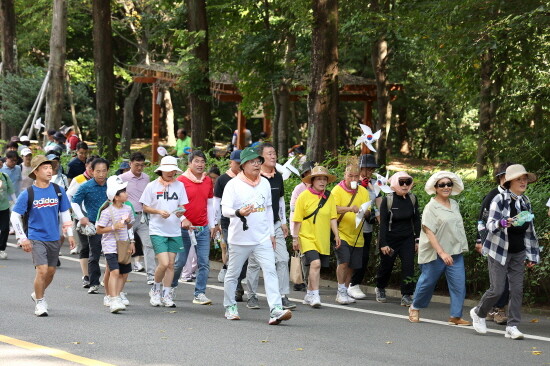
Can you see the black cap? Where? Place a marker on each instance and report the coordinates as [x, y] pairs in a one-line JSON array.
[[368, 161], [306, 167]]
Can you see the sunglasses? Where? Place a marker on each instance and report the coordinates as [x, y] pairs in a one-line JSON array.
[[443, 185], [405, 182]]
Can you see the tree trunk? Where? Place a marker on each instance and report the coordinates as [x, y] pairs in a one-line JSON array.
[[199, 97], [323, 97], [9, 54], [380, 56], [58, 41], [169, 116], [282, 125], [274, 133], [402, 129], [105, 82], [484, 113], [128, 119]]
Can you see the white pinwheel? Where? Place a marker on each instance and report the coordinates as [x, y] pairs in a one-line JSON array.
[[382, 184], [162, 151], [361, 213], [368, 138], [287, 169]]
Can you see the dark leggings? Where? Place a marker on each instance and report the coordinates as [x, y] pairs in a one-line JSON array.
[[405, 250], [4, 228], [359, 273]]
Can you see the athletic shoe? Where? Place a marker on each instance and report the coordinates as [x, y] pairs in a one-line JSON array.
[[232, 313], [351, 300], [239, 293], [33, 297], [513, 333], [459, 321], [86, 282], [380, 294], [499, 316], [300, 287], [94, 289], [3, 254], [286, 303], [173, 293], [406, 300], [167, 301], [307, 299], [342, 297], [155, 298], [41, 308], [58, 263], [221, 275], [150, 280], [107, 300], [253, 302], [313, 300], [278, 314], [116, 305], [356, 293], [74, 251], [478, 322], [124, 299], [201, 299]]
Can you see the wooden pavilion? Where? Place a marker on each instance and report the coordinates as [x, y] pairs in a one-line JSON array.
[[353, 89]]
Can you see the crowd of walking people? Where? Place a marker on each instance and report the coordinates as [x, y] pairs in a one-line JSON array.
[[164, 219]]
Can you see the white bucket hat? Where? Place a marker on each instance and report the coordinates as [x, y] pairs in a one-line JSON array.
[[114, 184], [458, 186], [168, 164], [518, 170]]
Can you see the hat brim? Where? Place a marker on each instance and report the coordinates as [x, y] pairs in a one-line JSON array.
[[166, 168], [531, 178], [54, 164], [118, 188], [458, 185], [331, 178]]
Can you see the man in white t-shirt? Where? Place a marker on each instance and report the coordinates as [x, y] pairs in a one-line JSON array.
[[247, 203], [163, 199]]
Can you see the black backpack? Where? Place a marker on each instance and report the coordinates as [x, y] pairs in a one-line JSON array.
[[30, 195]]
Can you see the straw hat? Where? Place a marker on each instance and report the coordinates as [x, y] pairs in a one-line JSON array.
[[39, 160], [458, 186], [516, 171], [168, 164], [319, 171]]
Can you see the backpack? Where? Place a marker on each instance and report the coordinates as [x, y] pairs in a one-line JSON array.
[[30, 195], [389, 199]]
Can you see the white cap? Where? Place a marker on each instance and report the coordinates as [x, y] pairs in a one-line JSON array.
[[24, 138], [114, 184], [26, 151], [168, 164]]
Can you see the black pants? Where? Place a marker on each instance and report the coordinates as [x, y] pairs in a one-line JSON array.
[[91, 249], [359, 273], [4, 228], [503, 301], [403, 248]]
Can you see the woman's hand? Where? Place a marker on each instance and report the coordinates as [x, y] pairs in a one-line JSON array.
[[164, 214], [338, 242], [386, 250], [446, 258], [296, 243]]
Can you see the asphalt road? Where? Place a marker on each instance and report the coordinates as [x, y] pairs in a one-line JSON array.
[[81, 330]]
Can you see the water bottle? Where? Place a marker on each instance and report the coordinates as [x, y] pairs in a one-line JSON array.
[[217, 240]]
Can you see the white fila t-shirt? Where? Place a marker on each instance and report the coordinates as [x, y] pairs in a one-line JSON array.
[[168, 199]]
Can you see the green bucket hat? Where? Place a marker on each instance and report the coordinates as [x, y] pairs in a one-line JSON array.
[[250, 153]]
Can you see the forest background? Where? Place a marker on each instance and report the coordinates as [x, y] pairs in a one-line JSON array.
[[474, 75]]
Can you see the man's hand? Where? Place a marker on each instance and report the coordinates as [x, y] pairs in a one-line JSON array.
[[284, 227], [479, 247], [247, 210], [84, 221], [338, 242], [26, 244], [72, 243], [530, 264], [213, 231], [186, 224], [354, 209]]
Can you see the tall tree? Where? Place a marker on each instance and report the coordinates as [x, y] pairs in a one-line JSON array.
[[105, 81], [199, 96], [323, 97], [56, 65], [9, 54]]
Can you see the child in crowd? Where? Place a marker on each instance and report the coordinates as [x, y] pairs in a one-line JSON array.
[[115, 223]]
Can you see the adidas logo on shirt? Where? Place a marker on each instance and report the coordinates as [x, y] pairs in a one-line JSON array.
[[45, 202]]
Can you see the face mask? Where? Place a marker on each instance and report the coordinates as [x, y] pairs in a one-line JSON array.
[[353, 184]]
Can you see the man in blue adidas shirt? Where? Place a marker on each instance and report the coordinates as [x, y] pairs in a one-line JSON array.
[[49, 205]]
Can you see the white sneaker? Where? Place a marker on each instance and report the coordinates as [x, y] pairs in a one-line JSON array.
[[41, 308], [116, 305], [351, 300], [342, 297], [155, 298], [138, 267], [479, 323], [356, 293], [307, 299], [3, 254], [221, 275], [106, 300], [33, 297], [513, 333], [124, 299], [315, 301], [74, 251], [168, 302]]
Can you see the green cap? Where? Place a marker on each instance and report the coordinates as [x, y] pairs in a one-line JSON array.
[[250, 153]]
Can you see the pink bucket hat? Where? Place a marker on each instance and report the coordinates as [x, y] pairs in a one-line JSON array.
[[394, 180]]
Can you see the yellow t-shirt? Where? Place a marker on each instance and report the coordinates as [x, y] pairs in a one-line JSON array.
[[314, 236], [346, 228]]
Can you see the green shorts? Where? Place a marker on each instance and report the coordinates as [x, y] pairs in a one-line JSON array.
[[162, 244]]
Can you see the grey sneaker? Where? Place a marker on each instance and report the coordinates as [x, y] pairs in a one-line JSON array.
[[253, 303], [286, 303], [406, 300], [201, 299], [94, 289], [380, 294], [278, 314]]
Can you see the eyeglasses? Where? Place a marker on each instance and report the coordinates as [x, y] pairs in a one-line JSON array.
[[256, 162], [443, 185], [405, 182]]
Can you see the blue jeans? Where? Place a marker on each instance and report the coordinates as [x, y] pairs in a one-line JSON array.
[[203, 258], [456, 280]]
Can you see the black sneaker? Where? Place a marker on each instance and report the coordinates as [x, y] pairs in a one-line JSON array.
[[239, 296], [300, 287], [58, 262], [287, 304], [380, 294], [86, 282]]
